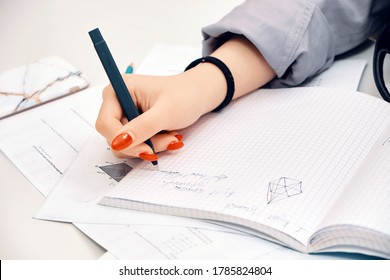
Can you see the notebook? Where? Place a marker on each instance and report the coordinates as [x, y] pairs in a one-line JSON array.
[[306, 167], [36, 83]]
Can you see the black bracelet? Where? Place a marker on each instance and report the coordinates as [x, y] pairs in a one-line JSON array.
[[226, 72]]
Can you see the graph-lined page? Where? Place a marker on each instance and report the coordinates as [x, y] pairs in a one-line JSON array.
[[362, 214], [275, 157]]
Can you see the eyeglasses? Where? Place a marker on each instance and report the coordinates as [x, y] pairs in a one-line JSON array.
[[382, 48]]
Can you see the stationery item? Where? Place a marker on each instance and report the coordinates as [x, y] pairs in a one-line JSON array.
[[306, 167], [36, 83], [42, 143], [382, 49], [130, 69], [115, 77]]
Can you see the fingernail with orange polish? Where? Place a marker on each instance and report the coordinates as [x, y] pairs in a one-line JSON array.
[[175, 145], [122, 141], [179, 137], [148, 156]]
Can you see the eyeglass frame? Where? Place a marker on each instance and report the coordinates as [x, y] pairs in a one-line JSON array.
[[382, 48]]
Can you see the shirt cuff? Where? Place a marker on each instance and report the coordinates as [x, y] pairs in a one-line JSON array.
[[293, 36]]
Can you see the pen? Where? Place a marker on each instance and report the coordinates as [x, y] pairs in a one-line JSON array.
[[130, 68], [116, 80]]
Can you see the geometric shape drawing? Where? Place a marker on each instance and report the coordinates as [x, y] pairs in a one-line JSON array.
[[283, 188], [116, 171]]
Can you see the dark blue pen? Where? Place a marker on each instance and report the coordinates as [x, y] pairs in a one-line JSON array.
[[116, 80]]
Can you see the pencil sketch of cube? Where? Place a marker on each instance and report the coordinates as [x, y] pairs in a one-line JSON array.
[[283, 188]]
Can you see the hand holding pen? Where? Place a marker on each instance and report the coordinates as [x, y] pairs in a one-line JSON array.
[[127, 138], [170, 103], [124, 110]]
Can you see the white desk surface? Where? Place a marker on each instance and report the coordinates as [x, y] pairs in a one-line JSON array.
[[30, 30]]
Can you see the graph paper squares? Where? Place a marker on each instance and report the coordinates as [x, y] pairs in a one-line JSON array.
[[283, 188]]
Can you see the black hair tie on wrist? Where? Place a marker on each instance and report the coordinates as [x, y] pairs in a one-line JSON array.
[[226, 72]]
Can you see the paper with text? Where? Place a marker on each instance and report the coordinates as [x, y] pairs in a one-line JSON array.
[[43, 142]]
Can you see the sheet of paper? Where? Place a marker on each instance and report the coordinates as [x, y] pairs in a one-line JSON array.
[[44, 141], [369, 201], [273, 155], [344, 74], [164, 242], [372, 189]]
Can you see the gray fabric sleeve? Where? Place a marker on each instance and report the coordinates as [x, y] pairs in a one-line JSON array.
[[298, 38]]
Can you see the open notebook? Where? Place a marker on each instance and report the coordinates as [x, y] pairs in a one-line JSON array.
[[308, 167]]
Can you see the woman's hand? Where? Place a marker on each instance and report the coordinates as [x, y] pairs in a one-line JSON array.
[[167, 105], [171, 103]]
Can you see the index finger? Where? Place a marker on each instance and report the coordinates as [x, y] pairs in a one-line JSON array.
[[110, 114]]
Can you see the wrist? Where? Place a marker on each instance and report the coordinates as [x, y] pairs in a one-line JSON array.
[[226, 73], [209, 84], [248, 68]]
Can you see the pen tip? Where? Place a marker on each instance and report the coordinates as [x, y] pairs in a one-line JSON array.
[[155, 164]]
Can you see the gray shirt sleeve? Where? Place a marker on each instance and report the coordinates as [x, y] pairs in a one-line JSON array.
[[299, 38]]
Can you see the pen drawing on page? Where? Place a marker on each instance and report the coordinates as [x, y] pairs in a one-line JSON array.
[[283, 188]]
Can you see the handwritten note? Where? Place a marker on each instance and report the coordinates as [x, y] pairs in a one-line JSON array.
[[190, 182]]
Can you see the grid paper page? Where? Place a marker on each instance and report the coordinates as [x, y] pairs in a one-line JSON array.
[[278, 158], [365, 204]]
